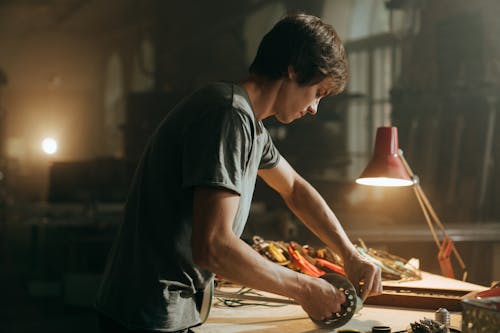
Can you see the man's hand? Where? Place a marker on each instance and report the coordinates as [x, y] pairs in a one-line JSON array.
[[364, 275], [319, 298]]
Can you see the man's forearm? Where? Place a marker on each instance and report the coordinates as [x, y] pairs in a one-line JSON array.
[[216, 248], [308, 205], [233, 259]]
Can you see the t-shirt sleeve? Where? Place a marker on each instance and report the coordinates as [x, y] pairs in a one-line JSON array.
[[270, 154], [216, 150]]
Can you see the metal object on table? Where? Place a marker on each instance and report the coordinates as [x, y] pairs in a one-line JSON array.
[[381, 329], [348, 309], [427, 325], [481, 315], [443, 316]]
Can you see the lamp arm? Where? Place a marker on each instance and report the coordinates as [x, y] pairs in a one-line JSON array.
[[427, 209], [427, 212], [430, 214]]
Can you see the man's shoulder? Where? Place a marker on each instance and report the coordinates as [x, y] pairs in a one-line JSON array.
[[225, 97], [216, 91], [230, 92]]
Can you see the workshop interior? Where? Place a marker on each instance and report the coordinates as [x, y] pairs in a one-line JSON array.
[[84, 83]]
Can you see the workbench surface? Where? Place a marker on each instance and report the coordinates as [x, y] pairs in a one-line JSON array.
[[292, 318]]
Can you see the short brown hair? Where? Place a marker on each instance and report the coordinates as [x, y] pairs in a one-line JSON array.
[[311, 46]]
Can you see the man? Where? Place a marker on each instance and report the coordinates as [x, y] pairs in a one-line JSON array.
[[191, 194]]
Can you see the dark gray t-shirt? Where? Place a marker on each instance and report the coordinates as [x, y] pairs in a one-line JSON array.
[[209, 139]]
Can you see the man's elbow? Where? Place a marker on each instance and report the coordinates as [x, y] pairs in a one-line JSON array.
[[206, 256], [295, 195]]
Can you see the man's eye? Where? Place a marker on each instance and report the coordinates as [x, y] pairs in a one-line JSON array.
[[320, 93]]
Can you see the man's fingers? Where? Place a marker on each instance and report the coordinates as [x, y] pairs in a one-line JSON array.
[[377, 283], [372, 285], [360, 287], [340, 297], [367, 287]]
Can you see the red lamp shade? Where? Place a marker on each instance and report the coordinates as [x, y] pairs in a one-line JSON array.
[[386, 167]]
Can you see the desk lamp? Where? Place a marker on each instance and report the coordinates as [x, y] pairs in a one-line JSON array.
[[388, 167]]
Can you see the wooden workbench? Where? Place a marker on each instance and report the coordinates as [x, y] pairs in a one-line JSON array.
[[293, 319]]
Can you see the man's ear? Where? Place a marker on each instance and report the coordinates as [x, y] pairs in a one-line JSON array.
[[292, 75]]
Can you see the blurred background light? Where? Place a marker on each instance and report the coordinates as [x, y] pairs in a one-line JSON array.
[[49, 146]]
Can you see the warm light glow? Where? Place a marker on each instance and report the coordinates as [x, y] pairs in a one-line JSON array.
[[49, 146], [383, 181]]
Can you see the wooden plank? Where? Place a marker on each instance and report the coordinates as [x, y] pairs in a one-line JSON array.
[[434, 281], [432, 292]]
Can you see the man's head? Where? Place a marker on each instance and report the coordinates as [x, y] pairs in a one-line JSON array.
[[309, 46]]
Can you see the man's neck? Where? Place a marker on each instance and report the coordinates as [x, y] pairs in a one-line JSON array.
[[262, 95]]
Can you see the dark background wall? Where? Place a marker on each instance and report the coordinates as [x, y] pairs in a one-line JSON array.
[[446, 103]]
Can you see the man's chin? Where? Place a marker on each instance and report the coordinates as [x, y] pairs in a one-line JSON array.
[[285, 121]]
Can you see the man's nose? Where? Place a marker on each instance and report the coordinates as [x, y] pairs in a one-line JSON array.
[[313, 108]]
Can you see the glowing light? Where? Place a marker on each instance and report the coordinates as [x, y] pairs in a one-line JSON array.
[[384, 181], [49, 146]]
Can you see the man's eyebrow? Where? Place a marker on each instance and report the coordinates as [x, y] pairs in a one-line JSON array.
[[329, 88], [329, 91]]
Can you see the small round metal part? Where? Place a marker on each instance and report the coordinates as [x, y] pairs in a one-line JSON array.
[[381, 329], [442, 316], [347, 309]]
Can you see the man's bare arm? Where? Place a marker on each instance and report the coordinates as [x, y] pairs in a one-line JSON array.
[[216, 248], [308, 205]]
